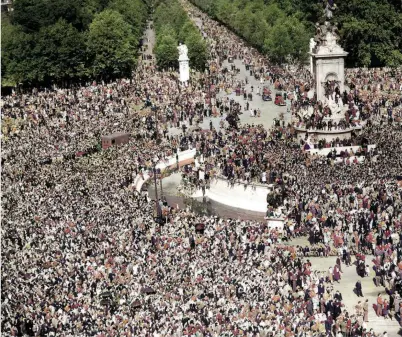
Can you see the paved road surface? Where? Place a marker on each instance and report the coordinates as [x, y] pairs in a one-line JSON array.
[[269, 110], [149, 40]]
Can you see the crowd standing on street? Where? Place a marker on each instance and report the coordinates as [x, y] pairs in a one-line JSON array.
[[84, 256]]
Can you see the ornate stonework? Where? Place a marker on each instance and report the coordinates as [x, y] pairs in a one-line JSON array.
[[327, 56]]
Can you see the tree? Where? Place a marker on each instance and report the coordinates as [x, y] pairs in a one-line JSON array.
[[60, 50], [259, 31], [278, 44], [35, 14], [197, 51], [133, 12], [16, 54], [187, 30], [225, 11], [111, 45], [170, 13], [242, 23], [166, 52], [273, 13], [166, 30], [274, 27], [173, 26], [370, 30], [287, 40]]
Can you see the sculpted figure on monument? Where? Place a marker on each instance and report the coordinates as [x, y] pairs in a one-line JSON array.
[[335, 30], [321, 31], [183, 50], [329, 7], [325, 26]]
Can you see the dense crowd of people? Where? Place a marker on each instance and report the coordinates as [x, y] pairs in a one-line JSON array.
[[84, 256]]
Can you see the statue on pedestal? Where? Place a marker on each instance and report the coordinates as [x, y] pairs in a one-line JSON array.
[[184, 68]]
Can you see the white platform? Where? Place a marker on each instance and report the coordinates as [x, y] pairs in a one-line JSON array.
[[184, 70], [253, 198], [325, 134]]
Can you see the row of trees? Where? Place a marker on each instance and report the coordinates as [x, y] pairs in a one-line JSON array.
[[59, 41], [173, 26], [272, 27], [370, 30]]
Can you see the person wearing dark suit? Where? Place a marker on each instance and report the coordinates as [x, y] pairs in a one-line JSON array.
[[359, 291], [338, 296]]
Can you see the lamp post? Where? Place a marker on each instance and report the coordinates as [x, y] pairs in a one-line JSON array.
[[155, 109], [155, 161], [160, 183]]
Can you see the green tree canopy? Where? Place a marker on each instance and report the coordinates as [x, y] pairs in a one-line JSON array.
[[273, 27], [46, 41], [370, 30], [133, 12], [60, 50], [197, 51], [111, 45], [16, 54], [35, 14], [166, 52]]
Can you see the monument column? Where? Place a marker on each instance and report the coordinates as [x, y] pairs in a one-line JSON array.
[[326, 54], [184, 68], [328, 59], [312, 46]]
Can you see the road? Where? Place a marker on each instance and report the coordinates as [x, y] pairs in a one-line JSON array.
[[269, 110], [346, 286]]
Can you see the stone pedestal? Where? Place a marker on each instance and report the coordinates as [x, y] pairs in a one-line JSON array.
[[328, 63], [328, 68], [184, 70]]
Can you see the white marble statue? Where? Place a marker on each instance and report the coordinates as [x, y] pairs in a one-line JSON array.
[[312, 46], [183, 51], [333, 106]]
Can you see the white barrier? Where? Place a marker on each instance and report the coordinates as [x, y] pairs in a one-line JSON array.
[[277, 224], [171, 161], [325, 134], [339, 149]]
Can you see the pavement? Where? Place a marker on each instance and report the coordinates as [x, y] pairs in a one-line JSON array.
[[350, 299], [269, 111], [149, 42], [346, 285]]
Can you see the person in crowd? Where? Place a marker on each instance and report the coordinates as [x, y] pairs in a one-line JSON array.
[[358, 287]]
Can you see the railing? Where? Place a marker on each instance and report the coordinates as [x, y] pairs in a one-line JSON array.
[[336, 131]]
